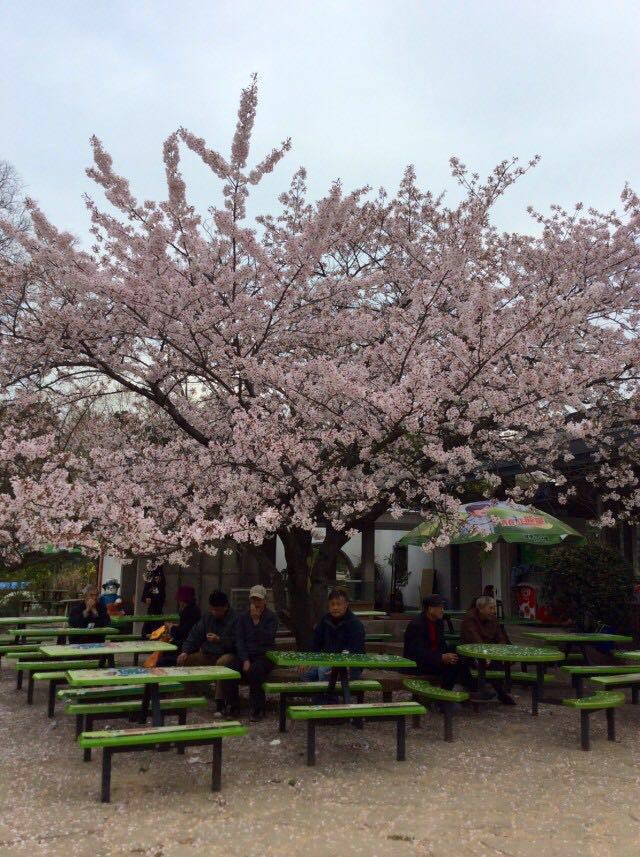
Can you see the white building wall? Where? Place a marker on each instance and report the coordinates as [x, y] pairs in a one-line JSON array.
[[112, 568]]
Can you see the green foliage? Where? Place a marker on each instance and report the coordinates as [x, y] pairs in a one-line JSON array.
[[591, 584], [42, 573]]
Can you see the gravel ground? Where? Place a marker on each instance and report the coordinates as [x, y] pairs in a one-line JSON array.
[[510, 784]]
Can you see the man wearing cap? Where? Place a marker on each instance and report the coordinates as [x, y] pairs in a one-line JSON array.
[[256, 634], [424, 643]]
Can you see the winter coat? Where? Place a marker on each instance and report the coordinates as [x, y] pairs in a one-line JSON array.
[[78, 620], [189, 615], [254, 641], [473, 629], [345, 635], [418, 645], [154, 588], [225, 628]]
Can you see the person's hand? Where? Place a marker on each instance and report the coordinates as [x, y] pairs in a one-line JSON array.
[[213, 638], [182, 659], [450, 658], [246, 666]]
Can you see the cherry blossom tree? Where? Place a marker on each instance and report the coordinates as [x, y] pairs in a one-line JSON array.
[[207, 377]]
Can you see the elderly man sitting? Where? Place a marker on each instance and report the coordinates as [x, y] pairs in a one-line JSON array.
[[480, 625]]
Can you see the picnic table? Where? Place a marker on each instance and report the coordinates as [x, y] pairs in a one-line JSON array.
[[107, 649], [370, 614], [633, 656], [152, 679], [339, 664], [144, 617], [62, 634], [567, 640], [539, 656], [23, 621]]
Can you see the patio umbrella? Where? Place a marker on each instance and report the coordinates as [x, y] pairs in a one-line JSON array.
[[492, 520]]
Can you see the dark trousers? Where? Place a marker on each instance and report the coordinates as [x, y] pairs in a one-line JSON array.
[[258, 672], [450, 674]]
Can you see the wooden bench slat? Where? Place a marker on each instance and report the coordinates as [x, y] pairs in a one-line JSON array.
[[160, 734], [603, 670], [626, 680], [317, 686], [517, 676], [47, 666], [374, 709], [135, 705], [52, 675], [115, 691]]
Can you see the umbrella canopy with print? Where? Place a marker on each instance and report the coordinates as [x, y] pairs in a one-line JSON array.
[[492, 520]]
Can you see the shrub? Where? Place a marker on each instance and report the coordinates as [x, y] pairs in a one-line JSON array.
[[591, 584]]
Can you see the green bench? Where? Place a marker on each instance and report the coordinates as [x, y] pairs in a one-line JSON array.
[[632, 680], [606, 701], [446, 698], [31, 667], [311, 688], [397, 711], [86, 713], [148, 738], [55, 678], [15, 648], [578, 674], [94, 694], [514, 677]]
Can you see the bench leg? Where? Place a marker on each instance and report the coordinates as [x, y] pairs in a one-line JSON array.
[[387, 696], [448, 721], [584, 731], [30, 684], [78, 724], [311, 743], [401, 739], [88, 725], [634, 695], [136, 659], [216, 765], [106, 775], [578, 684], [182, 721], [282, 713], [611, 724], [416, 722], [51, 705]]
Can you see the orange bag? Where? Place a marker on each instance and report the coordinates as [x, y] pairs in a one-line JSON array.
[[161, 633]]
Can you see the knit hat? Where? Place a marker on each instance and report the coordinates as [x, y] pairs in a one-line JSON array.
[[218, 599], [186, 594]]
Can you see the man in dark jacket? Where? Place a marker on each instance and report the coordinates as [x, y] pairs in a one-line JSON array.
[[424, 643], [211, 641], [480, 625], [90, 612], [339, 630], [213, 636], [256, 634]]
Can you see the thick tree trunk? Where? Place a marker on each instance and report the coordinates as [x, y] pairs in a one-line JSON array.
[[297, 545]]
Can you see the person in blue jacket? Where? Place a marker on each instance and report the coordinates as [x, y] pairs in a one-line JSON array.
[[339, 630]]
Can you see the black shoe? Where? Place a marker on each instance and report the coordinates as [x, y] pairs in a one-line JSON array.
[[506, 698], [257, 715], [482, 696]]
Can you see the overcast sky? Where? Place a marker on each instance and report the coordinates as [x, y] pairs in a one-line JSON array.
[[362, 87]]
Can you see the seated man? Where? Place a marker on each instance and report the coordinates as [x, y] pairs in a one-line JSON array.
[[425, 644], [189, 615], [480, 625], [212, 640], [256, 634], [339, 630], [90, 612]]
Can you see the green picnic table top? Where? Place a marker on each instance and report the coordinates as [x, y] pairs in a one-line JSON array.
[[326, 659], [41, 633], [576, 637], [629, 656], [12, 621], [143, 617], [509, 654], [108, 647], [155, 675]]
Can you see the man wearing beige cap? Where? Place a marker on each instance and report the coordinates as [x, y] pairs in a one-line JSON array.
[[255, 635]]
